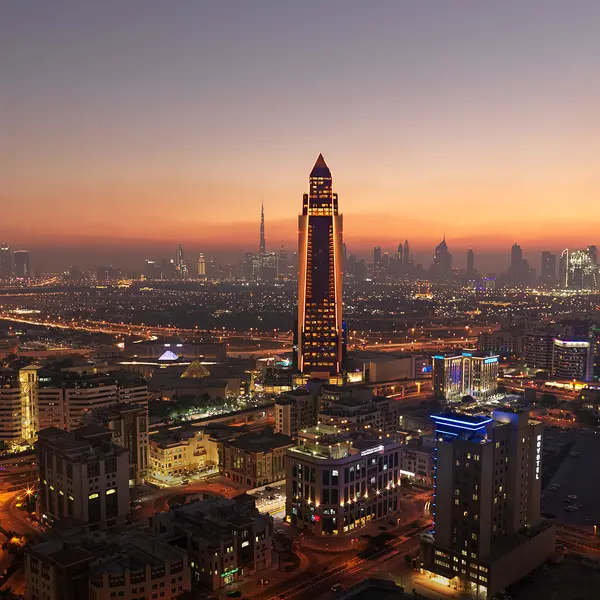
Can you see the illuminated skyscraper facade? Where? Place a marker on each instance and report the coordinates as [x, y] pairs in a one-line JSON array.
[[318, 345]]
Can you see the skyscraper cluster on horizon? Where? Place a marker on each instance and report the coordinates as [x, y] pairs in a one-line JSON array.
[[14, 264]]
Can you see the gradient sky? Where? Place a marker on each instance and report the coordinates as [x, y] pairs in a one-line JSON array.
[[130, 125]]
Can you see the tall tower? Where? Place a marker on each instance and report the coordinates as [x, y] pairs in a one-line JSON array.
[[470, 262], [263, 244], [180, 266], [6, 262], [406, 253], [201, 266], [22, 267], [319, 334]]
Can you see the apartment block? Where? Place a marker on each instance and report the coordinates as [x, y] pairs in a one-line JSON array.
[[83, 475]]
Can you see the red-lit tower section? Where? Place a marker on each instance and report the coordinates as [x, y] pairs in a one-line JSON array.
[[319, 331]]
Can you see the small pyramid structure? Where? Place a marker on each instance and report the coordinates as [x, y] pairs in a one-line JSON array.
[[196, 370], [168, 355]]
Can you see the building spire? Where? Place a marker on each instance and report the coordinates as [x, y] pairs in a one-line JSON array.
[[320, 169], [263, 245]]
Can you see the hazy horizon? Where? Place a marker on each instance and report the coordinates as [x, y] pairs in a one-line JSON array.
[[132, 126]]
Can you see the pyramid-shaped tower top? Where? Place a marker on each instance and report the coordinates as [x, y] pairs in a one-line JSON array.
[[320, 169]]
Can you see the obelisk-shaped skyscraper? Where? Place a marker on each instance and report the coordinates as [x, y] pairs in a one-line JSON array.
[[318, 343]]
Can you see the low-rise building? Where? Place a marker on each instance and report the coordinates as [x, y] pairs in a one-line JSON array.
[[379, 367], [175, 454], [84, 475], [226, 540], [416, 461], [130, 566], [337, 483], [255, 458]]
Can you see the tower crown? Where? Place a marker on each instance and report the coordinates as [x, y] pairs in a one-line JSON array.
[[320, 168]]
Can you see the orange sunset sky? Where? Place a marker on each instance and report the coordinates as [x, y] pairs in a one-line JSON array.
[[130, 127]]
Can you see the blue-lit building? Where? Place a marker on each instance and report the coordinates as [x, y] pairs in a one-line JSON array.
[[487, 530], [465, 374]]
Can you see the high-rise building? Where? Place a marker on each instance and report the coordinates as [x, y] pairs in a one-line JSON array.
[[563, 269], [548, 267], [263, 243], [582, 271], [201, 266], [22, 268], [470, 262], [517, 271], [399, 254], [441, 267], [592, 251], [84, 475], [376, 257], [406, 254], [487, 529], [319, 332], [573, 359], [265, 267], [19, 407], [6, 261], [516, 257], [465, 374], [180, 266]]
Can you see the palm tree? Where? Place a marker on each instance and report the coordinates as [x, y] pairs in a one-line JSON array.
[[8, 593]]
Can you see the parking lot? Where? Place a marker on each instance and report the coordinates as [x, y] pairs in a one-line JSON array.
[[270, 499], [573, 491]]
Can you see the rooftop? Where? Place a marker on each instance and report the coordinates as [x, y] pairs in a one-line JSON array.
[[375, 589], [260, 441]]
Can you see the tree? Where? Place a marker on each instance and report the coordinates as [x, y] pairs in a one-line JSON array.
[[8, 593], [548, 400]]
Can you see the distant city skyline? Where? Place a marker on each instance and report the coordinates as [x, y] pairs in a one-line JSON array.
[[48, 259], [136, 126]]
